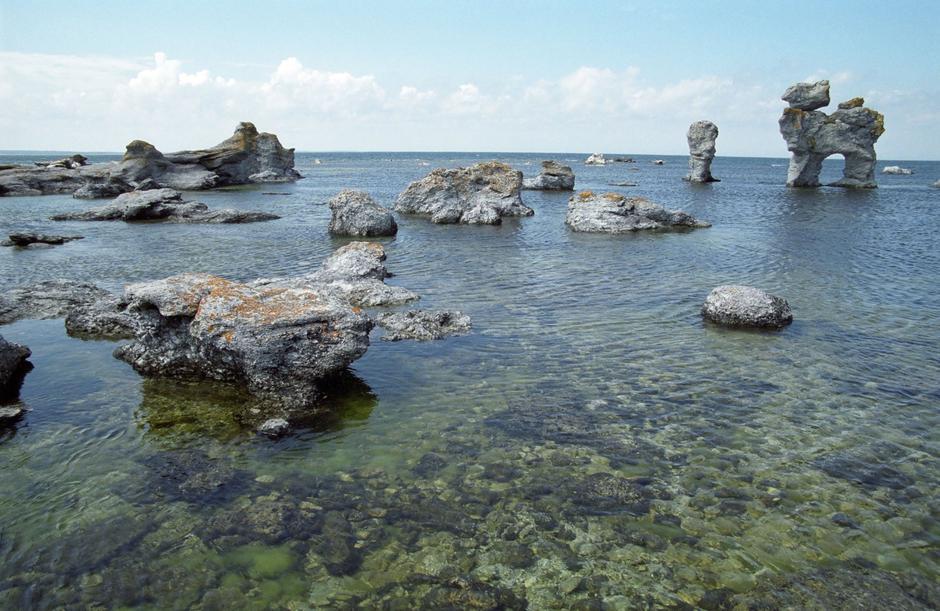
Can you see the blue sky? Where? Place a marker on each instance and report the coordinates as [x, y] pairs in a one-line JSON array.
[[514, 76]]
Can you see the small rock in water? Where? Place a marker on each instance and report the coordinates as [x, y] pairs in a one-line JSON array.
[[553, 177], [274, 427], [596, 159], [896, 169], [26, 239], [423, 325], [658, 162], [355, 213], [746, 306], [840, 519], [615, 213], [625, 183]]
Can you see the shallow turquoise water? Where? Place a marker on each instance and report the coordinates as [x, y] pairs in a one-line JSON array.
[[592, 443]]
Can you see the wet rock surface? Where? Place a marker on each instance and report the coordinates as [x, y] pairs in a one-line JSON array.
[[104, 318], [701, 136], [615, 213], [746, 306], [13, 367], [25, 239], [553, 177], [422, 324], [355, 213], [49, 299], [481, 194]]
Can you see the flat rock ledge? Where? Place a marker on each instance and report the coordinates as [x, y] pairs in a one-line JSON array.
[[13, 367], [163, 205], [746, 306], [25, 240], [615, 213], [355, 213], [482, 194], [553, 177], [423, 325]]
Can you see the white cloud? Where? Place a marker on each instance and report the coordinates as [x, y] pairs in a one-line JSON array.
[[292, 86]]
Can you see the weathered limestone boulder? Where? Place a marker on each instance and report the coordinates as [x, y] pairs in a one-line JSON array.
[[853, 103], [480, 195], [49, 180], [615, 213], [26, 239], [812, 135], [596, 159], [701, 136], [423, 325], [162, 205], [142, 161], [47, 299], [898, 170], [553, 177], [69, 163], [13, 366], [746, 306], [355, 213], [103, 318]]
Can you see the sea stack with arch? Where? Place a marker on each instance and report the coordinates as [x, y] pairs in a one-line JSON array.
[[701, 136], [812, 135]]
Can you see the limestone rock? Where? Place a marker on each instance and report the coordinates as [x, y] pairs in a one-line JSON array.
[[163, 205], [807, 96], [896, 169], [49, 180], [480, 194], [746, 306], [615, 213], [658, 162], [13, 366], [596, 159], [936, 185], [103, 318], [812, 135], [701, 136], [853, 103], [553, 177], [422, 324], [112, 187], [355, 213], [48, 299], [25, 239], [274, 427]]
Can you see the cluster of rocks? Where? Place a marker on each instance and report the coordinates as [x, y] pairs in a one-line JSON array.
[[162, 205], [27, 239], [482, 194], [247, 157], [812, 135], [616, 213], [553, 177], [355, 213], [898, 170], [701, 136]]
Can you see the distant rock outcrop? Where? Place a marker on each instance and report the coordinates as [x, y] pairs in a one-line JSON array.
[[896, 169], [596, 159], [26, 239], [553, 177], [812, 135], [615, 213], [355, 213], [746, 306], [479, 195], [701, 136], [936, 184]]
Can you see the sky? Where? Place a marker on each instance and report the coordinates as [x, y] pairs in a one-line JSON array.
[[545, 76]]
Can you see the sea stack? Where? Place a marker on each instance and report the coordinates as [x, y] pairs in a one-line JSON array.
[[553, 177], [812, 135], [701, 136]]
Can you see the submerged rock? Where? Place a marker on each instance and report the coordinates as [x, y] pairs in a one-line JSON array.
[[896, 169], [423, 325], [812, 135], [162, 205], [553, 177], [596, 159], [355, 213], [13, 367], [746, 306], [701, 136], [48, 299], [615, 213], [479, 195], [27, 239]]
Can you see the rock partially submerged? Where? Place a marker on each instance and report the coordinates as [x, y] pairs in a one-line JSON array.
[[26, 239], [423, 325], [658, 162], [553, 177], [13, 366], [615, 213], [896, 169], [936, 185], [355, 213], [701, 136], [482, 194], [812, 135], [596, 159], [47, 299], [163, 205], [746, 306]]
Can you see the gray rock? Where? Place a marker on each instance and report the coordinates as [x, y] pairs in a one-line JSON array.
[[896, 169], [936, 185], [104, 318], [480, 194], [274, 427], [49, 180], [355, 213], [746, 306], [596, 159], [625, 183], [69, 163], [422, 324], [553, 177], [812, 135], [701, 136], [853, 103], [48, 299], [162, 205], [658, 162], [10, 413], [26, 239], [807, 96], [614, 213], [13, 366], [102, 190]]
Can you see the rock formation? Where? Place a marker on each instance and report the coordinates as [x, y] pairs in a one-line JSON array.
[[658, 162], [247, 157], [896, 169], [936, 184], [422, 324], [553, 177], [480, 195], [746, 306], [812, 135], [26, 239], [47, 299], [355, 213], [162, 205], [596, 159], [13, 366], [615, 213], [701, 136]]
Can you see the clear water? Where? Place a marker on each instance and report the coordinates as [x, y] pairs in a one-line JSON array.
[[591, 443]]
